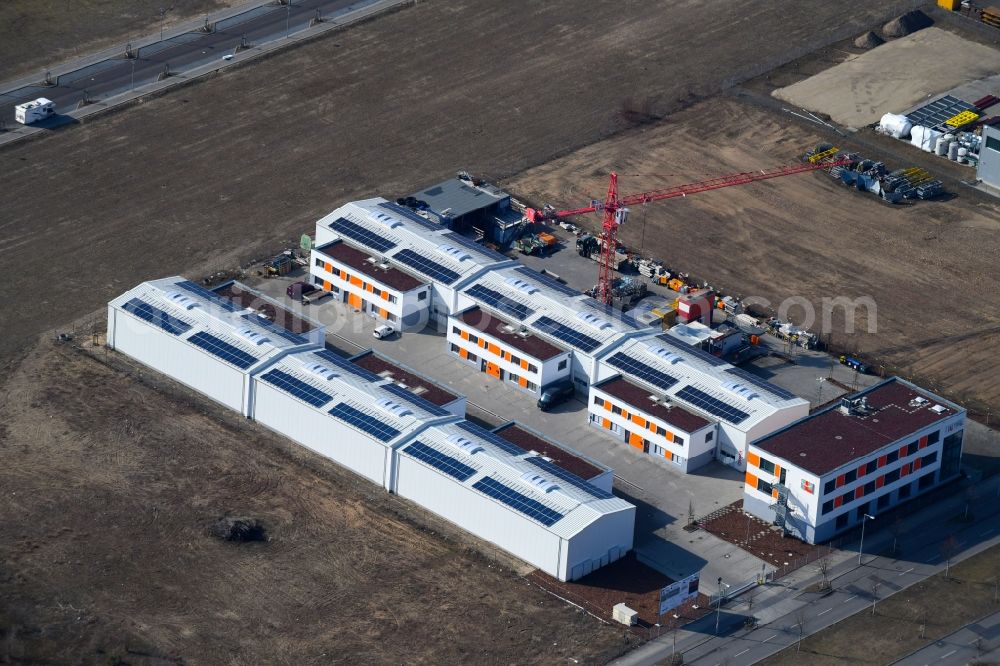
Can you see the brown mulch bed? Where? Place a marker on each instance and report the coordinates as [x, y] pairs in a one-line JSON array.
[[766, 542], [627, 581]]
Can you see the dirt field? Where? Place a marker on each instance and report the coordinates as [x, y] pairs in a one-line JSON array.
[[894, 631], [36, 34], [212, 173], [111, 485], [893, 77], [930, 268]]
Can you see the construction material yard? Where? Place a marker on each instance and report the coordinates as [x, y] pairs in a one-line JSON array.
[[112, 485], [807, 237], [893, 77]]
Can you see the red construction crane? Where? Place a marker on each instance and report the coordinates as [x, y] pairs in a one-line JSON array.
[[616, 209]]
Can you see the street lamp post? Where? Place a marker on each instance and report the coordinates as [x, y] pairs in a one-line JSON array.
[[132, 85], [288, 16], [865, 518], [718, 607]]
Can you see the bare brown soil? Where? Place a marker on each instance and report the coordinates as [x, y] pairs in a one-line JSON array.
[[930, 267], [208, 175], [757, 537], [112, 485], [35, 35]]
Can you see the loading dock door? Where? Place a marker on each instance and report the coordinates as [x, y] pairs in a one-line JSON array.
[[493, 370]]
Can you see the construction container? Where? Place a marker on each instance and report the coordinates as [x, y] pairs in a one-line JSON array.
[[675, 284], [950, 5], [547, 238], [755, 339]]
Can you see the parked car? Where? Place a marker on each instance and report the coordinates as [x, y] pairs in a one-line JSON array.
[[383, 331], [555, 394], [297, 290]]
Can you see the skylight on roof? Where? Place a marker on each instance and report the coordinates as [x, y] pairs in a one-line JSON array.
[[181, 300], [387, 220], [321, 370], [593, 320], [253, 336], [522, 285], [667, 355], [465, 444], [538, 482], [740, 390], [393, 408], [454, 252]]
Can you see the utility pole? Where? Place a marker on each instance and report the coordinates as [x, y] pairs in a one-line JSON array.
[[288, 16], [861, 546]]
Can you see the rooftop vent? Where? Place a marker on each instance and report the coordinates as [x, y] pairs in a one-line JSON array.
[[393, 408], [465, 444], [538, 481], [522, 285], [667, 355], [939, 409], [856, 407], [321, 370], [253, 336], [181, 300], [919, 401]]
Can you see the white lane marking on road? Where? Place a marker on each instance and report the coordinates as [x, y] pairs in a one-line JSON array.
[[851, 597], [986, 532], [744, 652], [773, 635], [934, 559], [826, 611], [944, 656], [974, 641], [907, 571]]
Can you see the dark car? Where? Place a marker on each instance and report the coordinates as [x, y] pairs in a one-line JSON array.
[[555, 394], [297, 290]]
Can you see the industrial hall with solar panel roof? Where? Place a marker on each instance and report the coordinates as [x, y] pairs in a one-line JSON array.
[[366, 417]]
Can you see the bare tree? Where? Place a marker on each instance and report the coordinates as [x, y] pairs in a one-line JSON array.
[[898, 528], [923, 624], [800, 621], [949, 548], [970, 498], [823, 564], [690, 512], [874, 586]]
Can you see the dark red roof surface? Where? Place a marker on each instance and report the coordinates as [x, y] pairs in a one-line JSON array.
[[250, 299], [493, 325], [529, 441], [421, 386], [358, 260], [638, 397], [830, 439]]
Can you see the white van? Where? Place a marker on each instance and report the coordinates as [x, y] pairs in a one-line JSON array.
[[35, 110]]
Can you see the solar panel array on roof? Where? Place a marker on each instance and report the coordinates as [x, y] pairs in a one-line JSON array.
[[411, 397], [280, 331], [548, 281], [499, 302], [712, 405], [935, 113], [517, 501], [377, 428], [222, 349], [297, 388], [144, 310], [568, 477], [473, 245], [642, 371], [378, 242], [221, 301], [762, 383], [434, 458], [411, 215], [693, 351], [430, 268], [492, 438], [347, 366], [570, 336]]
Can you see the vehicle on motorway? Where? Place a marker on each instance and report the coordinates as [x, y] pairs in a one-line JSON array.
[[35, 110], [383, 331], [298, 290], [555, 394]]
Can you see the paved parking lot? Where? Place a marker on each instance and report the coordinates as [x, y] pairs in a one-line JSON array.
[[661, 494]]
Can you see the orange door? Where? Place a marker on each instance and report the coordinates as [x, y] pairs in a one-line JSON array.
[[635, 441], [493, 370], [354, 301]]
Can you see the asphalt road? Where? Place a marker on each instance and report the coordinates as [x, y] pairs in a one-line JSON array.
[[852, 594], [176, 54], [978, 640]]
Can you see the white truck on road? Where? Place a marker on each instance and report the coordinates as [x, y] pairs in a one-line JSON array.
[[35, 110]]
